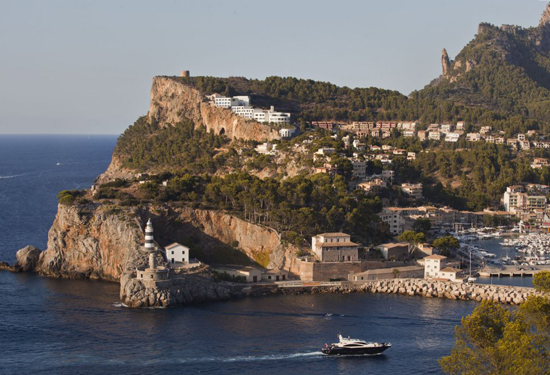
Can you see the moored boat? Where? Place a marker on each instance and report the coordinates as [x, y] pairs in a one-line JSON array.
[[349, 346]]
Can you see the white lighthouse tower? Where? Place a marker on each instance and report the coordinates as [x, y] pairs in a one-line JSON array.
[[153, 273], [149, 240]]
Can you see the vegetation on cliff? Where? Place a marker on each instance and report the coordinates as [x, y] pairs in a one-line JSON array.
[[310, 100], [145, 145], [299, 207]]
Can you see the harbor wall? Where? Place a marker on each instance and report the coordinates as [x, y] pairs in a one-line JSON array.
[[426, 288]]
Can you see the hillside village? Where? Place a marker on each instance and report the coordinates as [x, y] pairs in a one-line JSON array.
[[363, 155]]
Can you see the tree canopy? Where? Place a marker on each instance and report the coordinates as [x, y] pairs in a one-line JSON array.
[[496, 341], [446, 244]]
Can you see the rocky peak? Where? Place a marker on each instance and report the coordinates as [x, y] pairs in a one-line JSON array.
[[445, 62], [545, 19]]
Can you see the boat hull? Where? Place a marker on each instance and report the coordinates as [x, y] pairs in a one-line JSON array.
[[331, 350]]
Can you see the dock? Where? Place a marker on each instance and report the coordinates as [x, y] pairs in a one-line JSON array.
[[513, 271]]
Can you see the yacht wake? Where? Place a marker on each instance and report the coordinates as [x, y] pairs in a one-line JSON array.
[[260, 358], [12, 176]]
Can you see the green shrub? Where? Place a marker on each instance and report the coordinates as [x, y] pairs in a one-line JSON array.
[[68, 197]]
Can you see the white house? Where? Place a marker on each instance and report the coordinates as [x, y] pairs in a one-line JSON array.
[[266, 148], [452, 137], [435, 267], [434, 135], [414, 190], [287, 132], [177, 253]]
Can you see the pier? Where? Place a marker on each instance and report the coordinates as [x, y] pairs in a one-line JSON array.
[[513, 271]]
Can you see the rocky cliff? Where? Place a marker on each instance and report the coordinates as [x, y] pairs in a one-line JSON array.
[[92, 242], [172, 101], [104, 242], [260, 243]]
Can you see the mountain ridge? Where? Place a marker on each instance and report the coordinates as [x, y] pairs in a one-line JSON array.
[[504, 68]]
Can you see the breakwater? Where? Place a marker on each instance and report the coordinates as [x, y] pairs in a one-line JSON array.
[[420, 287]]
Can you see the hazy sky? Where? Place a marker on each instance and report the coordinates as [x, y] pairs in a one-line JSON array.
[[86, 66]]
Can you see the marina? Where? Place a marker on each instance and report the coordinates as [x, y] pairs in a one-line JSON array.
[[501, 253]]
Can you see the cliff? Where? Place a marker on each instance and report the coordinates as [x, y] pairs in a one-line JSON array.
[[102, 242], [92, 242], [260, 243], [172, 101]]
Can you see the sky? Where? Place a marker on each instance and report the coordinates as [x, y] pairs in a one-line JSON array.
[[85, 67]]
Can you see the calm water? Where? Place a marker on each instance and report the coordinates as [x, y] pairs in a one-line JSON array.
[[78, 327], [493, 246]]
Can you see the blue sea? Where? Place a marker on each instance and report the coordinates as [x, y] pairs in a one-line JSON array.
[[53, 326]]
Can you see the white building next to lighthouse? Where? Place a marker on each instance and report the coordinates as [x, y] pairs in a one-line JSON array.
[[177, 253]]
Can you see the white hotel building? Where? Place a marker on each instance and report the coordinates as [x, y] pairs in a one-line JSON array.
[[240, 105]]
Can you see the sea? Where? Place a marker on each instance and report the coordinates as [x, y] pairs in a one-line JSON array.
[[54, 326]]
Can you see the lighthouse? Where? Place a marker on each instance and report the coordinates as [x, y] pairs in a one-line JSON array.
[[154, 272], [149, 241]]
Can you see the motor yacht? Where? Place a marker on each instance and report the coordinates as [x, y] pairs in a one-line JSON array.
[[349, 346]]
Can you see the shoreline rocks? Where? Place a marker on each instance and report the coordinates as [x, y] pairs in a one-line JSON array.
[[4, 266], [428, 288], [184, 289], [27, 258]]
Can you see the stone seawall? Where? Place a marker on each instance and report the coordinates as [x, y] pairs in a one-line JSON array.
[[201, 288], [432, 289]]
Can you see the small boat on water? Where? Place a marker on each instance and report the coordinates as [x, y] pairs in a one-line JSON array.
[[349, 346]]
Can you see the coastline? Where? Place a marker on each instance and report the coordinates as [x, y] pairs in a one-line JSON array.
[[204, 289]]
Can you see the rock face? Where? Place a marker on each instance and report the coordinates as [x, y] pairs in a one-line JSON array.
[[445, 63], [172, 101], [545, 18], [254, 240], [27, 258], [177, 291], [114, 171], [92, 243], [101, 243]]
